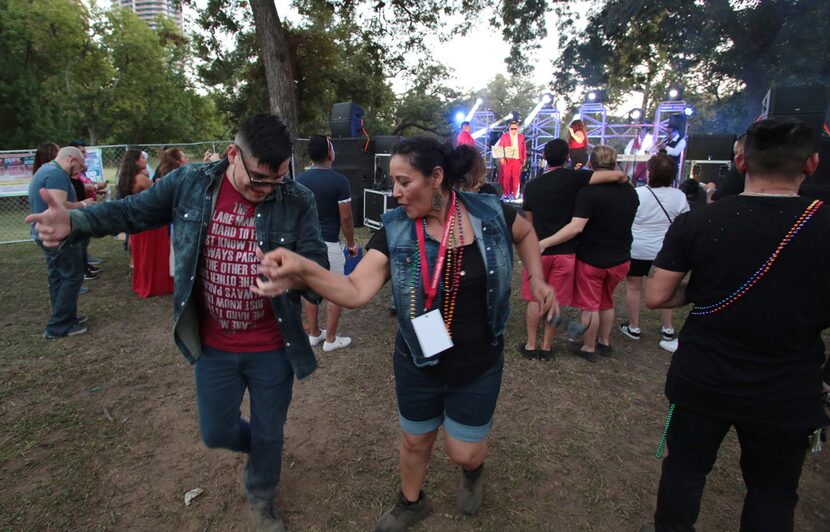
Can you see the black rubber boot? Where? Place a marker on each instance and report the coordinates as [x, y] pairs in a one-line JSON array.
[[403, 514], [471, 492]]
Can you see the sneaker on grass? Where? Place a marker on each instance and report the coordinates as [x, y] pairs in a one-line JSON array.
[[74, 331], [629, 331], [315, 340], [338, 343], [669, 345]]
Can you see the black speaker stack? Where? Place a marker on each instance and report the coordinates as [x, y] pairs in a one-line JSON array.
[[363, 161], [810, 105], [346, 120], [355, 160]]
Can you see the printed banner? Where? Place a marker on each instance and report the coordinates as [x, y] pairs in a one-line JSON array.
[[16, 170]]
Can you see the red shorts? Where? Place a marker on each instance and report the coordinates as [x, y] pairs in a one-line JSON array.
[[594, 287], [558, 272]]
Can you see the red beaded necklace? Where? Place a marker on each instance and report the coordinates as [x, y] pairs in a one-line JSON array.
[[451, 279]]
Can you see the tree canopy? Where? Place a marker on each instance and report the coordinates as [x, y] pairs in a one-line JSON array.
[[725, 53], [69, 71], [105, 75]]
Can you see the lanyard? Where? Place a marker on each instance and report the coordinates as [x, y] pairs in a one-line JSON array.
[[431, 287]]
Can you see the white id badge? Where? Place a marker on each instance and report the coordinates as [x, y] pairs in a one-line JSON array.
[[432, 333]]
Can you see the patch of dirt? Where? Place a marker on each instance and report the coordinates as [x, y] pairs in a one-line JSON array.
[[572, 447]]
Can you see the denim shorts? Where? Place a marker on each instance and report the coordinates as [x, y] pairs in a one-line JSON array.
[[424, 404]]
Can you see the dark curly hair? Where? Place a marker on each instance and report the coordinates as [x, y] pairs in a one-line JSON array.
[[127, 172], [426, 153]]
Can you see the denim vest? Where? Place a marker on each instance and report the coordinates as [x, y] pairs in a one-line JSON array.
[[186, 197], [495, 243]]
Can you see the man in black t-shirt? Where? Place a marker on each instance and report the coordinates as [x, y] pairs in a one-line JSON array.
[[602, 217], [750, 352], [333, 196], [548, 204]]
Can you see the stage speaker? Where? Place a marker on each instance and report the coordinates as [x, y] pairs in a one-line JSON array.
[[817, 186], [806, 103], [386, 143], [346, 120], [710, 147], [795, 100], [354, 162]]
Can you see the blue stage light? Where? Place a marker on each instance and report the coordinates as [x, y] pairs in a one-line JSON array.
[[689, 110], [459, 117]]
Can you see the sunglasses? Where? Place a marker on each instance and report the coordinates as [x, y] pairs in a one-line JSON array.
[[514, 129], [257, 182]]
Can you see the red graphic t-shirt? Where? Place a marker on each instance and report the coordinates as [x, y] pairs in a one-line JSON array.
[[233, 318]]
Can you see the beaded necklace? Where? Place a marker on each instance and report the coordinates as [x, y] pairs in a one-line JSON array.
[[762, 271], [455, 255], [455, 258]]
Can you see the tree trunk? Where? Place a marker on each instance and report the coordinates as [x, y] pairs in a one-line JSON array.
[[92, 136], [279, 72]]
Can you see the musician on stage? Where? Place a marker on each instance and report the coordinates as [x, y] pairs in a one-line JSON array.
[[464, 138], [640, 146], [578, 144], [510, 167], [675, 143]]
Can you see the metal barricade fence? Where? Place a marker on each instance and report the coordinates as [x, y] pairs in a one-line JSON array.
[[14, 204]]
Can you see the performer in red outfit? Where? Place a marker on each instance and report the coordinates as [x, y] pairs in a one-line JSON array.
[[464, 137], [510, 167], [578, 144]]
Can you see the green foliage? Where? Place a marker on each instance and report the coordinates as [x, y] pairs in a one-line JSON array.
[[104, 75], [504, 96], [41, 42], [426, 108], [334, 61], [725, 53]]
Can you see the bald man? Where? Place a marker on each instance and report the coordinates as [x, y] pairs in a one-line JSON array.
[[65, 264]]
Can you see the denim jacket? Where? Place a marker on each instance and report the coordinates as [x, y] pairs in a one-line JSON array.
[[187, 197], [495, 242]]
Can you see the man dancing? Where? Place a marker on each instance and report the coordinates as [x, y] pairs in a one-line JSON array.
[[223, 212]]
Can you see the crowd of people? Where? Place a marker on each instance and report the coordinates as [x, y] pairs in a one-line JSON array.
[[251, 249], [61, 172]]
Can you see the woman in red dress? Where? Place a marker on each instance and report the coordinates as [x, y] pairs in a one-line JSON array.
[[150, 249], [578, 144]]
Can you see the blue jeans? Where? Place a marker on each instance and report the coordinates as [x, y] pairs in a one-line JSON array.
[[221, 379], [66, 274], [424, 404]]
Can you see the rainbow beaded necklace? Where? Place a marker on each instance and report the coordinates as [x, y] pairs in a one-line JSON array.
[[452, 271], [763, 270]]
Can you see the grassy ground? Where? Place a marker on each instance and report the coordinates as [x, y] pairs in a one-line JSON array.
[[99, 431]]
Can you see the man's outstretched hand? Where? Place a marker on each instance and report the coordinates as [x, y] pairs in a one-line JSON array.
[[52, 225]]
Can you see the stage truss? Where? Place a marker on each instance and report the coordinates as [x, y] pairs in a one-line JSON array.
[[482, 120], [546, 126]]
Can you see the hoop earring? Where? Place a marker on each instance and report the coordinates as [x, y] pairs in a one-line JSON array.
[[437, 201]]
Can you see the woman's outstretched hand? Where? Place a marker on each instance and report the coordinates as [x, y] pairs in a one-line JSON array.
[[280, 270], [543, 293]]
